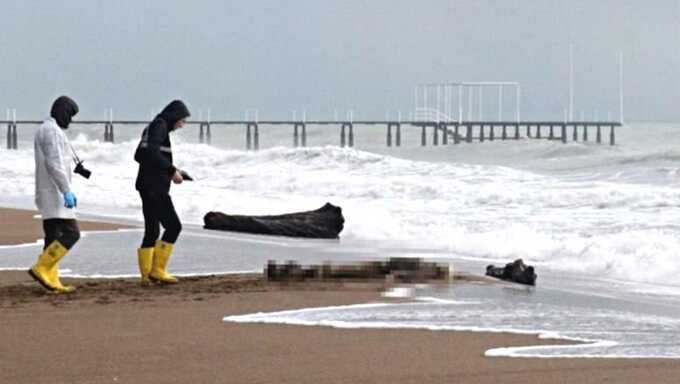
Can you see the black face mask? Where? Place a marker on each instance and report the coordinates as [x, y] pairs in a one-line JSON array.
[[63, 110], [174, 112]]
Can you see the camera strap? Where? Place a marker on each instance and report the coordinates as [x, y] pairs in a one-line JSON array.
[[75, 157]]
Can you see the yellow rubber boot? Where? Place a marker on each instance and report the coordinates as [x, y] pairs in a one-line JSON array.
[[54, 274], [145, 258], [46, 270], [161, 256]]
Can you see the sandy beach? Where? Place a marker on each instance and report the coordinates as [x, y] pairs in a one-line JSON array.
[[113, 331]]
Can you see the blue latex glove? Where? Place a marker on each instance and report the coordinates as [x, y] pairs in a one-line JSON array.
[[70, 200]]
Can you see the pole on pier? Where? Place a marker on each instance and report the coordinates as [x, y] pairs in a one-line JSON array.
[[423, 136], [612, 139], [599, 134], [564, 133]]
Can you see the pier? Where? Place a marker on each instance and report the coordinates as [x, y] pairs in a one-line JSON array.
[[431, 132]]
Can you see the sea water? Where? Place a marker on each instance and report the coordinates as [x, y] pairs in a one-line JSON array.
[[599, 222]]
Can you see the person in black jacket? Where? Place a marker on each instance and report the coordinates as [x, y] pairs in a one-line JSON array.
[[156, 171]]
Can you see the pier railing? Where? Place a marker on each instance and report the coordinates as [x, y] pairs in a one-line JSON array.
[[442, 131]]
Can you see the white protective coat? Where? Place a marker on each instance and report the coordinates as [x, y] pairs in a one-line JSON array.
[[52, 171]]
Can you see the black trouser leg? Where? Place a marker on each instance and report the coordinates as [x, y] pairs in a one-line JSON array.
[[65, 231], [158, 209]]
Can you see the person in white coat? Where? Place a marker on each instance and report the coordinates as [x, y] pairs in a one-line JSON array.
[[53, 194]]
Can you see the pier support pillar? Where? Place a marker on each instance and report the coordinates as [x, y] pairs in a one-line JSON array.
[[389, 135], [304, 135], [398, 134], [481, 133], [12, 140], [528, 131], [492, 132], [612, 139], [256, 137], [599, 134], [252, 136], [564, 133], [204, 135], [456, 135], [423, 136], [350, 127], [516, 131], [468, 135], [504, 135], [585, 132], [108, 133], [551, 135], [343, 137], [299, 132], [538, 131], [575, 136], [445, 133], [398, 137]]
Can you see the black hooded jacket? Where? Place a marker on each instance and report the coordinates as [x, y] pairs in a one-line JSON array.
[[154, 152], [63, 110]]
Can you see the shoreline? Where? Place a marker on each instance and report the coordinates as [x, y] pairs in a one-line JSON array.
[[103, 331]]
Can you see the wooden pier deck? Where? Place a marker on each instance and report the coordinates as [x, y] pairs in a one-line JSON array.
[[441, 133]]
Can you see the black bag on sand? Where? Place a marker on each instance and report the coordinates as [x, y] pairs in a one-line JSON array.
[[324, 223], [516, 271]]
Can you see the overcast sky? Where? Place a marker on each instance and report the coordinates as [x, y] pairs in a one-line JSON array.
[[278, 56]]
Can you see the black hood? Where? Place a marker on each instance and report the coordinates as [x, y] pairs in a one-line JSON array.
[[174, 112], [63, 110]]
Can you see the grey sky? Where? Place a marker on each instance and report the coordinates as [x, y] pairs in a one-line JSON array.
[[278, 56]]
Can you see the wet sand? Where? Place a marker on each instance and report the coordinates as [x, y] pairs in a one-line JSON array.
[[19, 226], [114, 331]]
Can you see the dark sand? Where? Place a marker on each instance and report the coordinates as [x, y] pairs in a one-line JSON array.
[[18, 226], [113, 331]]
